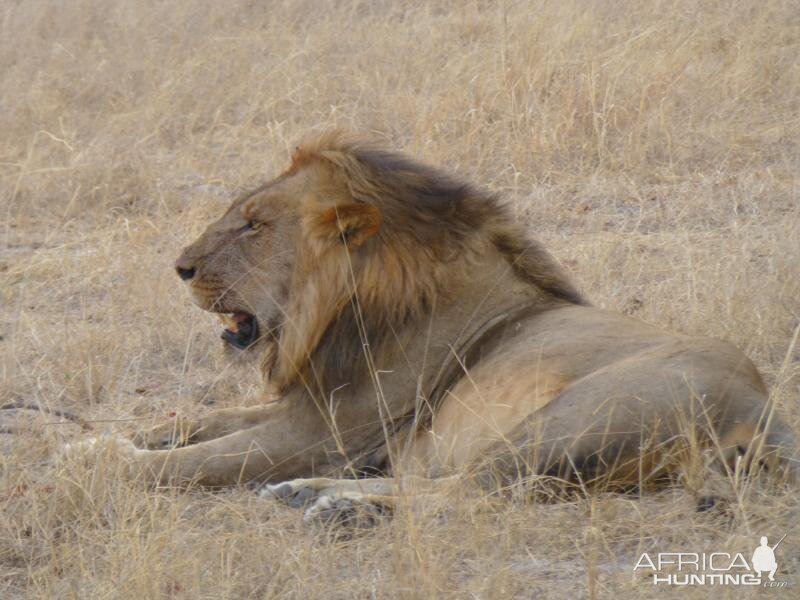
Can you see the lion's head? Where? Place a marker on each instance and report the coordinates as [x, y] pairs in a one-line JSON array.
[[349, 223]]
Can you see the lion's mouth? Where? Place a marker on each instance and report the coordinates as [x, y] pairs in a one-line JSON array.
[[241, 329]]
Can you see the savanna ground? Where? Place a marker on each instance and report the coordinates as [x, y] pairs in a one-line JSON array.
[[653, 146]]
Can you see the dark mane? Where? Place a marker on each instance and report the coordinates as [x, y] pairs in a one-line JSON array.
[[437, 210], [432, 223]]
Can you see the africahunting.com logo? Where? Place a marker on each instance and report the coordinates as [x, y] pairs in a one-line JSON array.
[[715, 568]]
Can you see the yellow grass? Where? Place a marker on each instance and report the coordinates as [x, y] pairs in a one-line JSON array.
[[653, 146]]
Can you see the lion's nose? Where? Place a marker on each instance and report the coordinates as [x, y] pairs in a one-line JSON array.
[[184, 269], [185, 274]]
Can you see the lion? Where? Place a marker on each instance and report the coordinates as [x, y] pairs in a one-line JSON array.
[[411, 328]]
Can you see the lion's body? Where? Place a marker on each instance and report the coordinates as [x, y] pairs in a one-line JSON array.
[[414, 328], [593, 387]]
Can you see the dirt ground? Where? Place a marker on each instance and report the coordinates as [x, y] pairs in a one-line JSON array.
[[654, 147]]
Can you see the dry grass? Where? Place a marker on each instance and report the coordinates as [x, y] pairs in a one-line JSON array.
[[654, 147]]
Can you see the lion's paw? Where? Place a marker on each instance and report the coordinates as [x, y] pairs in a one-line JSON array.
[[90, 448], [346, 509], [293, 493], [325, 502]]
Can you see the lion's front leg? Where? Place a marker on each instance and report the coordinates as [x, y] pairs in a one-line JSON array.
[[290, 442], [179, 431], [270, 451], [228, 460]]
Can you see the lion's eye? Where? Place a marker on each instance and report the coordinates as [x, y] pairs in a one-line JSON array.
[[250, 226]]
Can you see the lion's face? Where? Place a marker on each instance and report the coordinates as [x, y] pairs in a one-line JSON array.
[[281, 255], [241, 266]]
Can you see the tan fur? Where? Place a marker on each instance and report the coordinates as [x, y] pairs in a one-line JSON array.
[[411, 325]]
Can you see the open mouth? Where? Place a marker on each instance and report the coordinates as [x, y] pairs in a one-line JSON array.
[[241, 329]]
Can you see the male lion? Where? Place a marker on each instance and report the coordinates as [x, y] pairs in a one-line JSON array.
[[411, 327]]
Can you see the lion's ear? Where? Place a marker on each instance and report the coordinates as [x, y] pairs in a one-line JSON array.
[[352, 223]]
